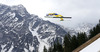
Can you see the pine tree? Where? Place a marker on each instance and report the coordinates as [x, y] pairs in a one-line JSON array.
[[54, 47], [50, 49], [44, 50], [67, 46], [82, 38], [59, 47], [95, 30], [74, 42]]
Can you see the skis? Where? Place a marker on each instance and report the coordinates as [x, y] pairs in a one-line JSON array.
[[56, 17]]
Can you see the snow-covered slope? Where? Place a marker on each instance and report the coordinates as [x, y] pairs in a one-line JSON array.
[[82, 27], [24, 32], [93, 47]]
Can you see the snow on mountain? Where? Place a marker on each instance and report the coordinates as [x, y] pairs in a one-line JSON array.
[[82, 27], [24, 32]]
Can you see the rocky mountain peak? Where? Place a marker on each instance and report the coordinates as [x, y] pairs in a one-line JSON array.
[[23, 32]]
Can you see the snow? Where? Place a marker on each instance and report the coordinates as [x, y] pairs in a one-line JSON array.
[[93, 47], [3, 46], [16, 19], [41, 42], [50, 29], [1, 12], [25, 50], [31, 48], [10, 50]]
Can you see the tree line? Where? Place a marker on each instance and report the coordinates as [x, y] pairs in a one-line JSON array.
[[72, 42]]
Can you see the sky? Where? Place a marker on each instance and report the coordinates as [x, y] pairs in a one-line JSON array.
[[81, 11]]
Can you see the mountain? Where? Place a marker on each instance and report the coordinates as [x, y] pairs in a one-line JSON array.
[[24, 32], [81, 27], [84, 27]]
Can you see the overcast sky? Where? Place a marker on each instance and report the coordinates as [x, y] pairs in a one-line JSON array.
[[81, 11]]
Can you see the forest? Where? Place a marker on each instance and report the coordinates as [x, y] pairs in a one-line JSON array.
[[72, 42]]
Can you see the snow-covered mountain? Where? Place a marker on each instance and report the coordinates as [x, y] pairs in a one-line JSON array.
[[82, 27], [24, 32]]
